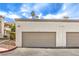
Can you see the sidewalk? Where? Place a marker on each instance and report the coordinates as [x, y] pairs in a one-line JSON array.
[[42, 52]]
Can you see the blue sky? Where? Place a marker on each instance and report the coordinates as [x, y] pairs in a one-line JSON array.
[[43, 10]]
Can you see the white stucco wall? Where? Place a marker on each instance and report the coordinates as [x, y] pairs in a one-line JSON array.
[[59, 27]]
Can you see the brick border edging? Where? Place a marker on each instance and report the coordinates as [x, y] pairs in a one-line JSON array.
[[8, 50]]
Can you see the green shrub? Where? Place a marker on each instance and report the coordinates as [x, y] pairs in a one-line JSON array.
[[12, 35], [13, 28]]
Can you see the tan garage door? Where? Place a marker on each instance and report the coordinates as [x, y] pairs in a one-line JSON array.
[[39, 39], [72, 39]]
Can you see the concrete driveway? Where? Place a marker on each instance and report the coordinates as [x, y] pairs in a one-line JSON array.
[[42, 52]]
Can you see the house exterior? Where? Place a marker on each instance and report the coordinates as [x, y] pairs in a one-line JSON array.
[[7, 29], [47, 33], [1, 26]]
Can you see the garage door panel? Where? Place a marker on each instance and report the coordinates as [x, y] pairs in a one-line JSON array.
[[72, 39], [39, 39]]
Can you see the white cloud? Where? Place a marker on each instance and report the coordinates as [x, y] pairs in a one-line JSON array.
[[57, 16], [9, 15], [26, 15], [40, 6], [25, 8], [13, 16], [3, 13], [70, 10], [40, 16], [37, 7]]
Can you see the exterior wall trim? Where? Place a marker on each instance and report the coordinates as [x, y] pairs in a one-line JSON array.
[[48, 20]]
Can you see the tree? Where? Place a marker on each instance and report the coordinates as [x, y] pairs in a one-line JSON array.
[[33, 14]]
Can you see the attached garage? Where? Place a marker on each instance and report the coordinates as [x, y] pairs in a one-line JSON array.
[[39, 39], [72, 39], [47, 33]]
